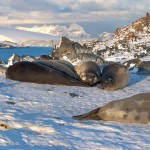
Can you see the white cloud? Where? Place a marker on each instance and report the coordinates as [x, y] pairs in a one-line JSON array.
[[53, 11]]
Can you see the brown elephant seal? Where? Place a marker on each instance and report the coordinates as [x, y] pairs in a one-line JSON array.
[[114, 76], [89, 72], [45, 73], [134, 109]]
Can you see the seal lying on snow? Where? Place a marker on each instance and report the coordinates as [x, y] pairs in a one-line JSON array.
[[114, 76], [44, 72], [89, 72], [134, 109]]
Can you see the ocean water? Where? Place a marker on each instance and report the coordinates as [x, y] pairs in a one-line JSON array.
[[5, 54]]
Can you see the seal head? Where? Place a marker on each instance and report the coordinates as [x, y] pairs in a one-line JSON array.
[[89, 72], [114, 76]]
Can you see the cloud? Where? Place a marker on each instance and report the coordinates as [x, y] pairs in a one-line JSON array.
[[53, 11]]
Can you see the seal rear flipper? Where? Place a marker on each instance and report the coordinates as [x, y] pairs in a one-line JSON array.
[[92, 115]]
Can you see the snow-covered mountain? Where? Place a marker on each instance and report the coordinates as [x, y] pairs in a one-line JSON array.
[[132, 40], [74, 30], [105, 36], [15, 35]]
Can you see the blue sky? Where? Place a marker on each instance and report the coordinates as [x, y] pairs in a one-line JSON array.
[[95, 16]]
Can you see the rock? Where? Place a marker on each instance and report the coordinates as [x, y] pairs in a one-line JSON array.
[[73, 51], [13, 59], [132, 63], [27, 58], [91, 57], [144, 68], [69, 48], [2, 62], [2, 69], [45, 57], [16, 58]]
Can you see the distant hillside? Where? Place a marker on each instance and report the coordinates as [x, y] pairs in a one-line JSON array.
[[14, 35], [132, 40], [74, 30], [10, 37], [136, 31]]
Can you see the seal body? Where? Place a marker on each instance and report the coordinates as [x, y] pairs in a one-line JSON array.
[[115, 76], [134, 109], [89, 72], [43, 72]]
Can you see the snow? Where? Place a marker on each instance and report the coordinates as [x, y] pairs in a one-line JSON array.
[[119, 57], [74, 30], [36, 116]]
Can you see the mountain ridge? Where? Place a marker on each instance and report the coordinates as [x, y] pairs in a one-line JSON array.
[[74, 30]]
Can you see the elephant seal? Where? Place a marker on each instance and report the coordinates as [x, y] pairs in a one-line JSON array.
[[134, 109], [89, 72], [114, 76], [43, 72], [66, 63]]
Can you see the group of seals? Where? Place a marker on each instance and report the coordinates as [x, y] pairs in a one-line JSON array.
[[60, 72], [55, 72], [134, 109]]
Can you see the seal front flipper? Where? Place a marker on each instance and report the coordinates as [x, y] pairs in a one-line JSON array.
[[92, 115]]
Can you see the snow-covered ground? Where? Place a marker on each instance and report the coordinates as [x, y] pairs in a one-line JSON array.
[[40, 117]]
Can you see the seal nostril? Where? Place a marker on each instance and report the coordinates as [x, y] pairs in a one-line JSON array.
[[103, 87]]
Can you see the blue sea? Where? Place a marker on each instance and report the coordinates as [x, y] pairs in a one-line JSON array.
[[5, 54]]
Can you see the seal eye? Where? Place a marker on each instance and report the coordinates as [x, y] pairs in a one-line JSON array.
[[109, 79], [94, 76], [128, 109]]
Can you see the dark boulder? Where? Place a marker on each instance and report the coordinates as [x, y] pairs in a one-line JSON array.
[[144, 68], [132, 63], [74, 51]]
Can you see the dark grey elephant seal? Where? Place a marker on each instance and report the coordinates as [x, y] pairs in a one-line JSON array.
[[134, 109], [89, 72], [43, 72], [60, 65], [114, 76], [64, 62]]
